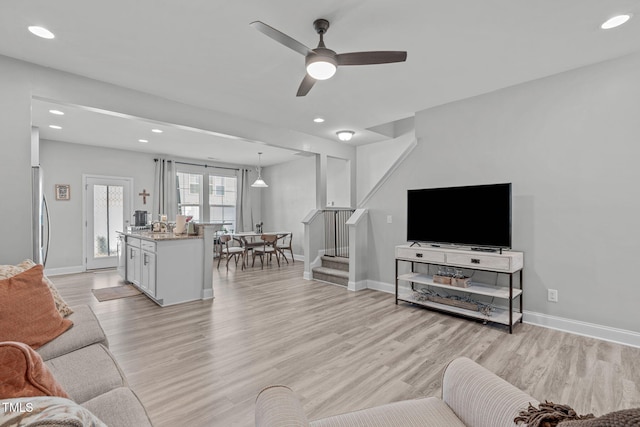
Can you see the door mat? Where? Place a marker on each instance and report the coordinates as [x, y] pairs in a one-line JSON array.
[[116, 292]]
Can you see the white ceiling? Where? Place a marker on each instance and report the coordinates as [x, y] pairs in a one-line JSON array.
[[204, 52], [81, 125]]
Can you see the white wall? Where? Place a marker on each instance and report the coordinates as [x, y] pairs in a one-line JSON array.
[[65, 163], [374, 160], [289, 198], [15, 166], [338, 183], [570, 145]]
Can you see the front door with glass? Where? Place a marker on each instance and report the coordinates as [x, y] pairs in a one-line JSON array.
[[107, 211]]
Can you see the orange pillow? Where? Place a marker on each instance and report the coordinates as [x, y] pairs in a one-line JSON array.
[[24, 374], [27, 311]]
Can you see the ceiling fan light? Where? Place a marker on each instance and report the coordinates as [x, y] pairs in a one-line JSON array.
[[320, 66], [345, 135]]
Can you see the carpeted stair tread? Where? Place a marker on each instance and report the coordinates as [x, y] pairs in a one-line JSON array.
[[331, 272]]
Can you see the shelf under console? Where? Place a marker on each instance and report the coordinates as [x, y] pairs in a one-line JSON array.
[[499, 315]]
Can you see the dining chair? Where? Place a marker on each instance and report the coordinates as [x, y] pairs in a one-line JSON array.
[[269, 248], [230, 251], [286, 246]]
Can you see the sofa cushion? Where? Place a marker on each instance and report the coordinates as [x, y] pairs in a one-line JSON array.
[[87, 372], [62, 307], [27, 310], [86, 330], [46, 411], [119, 408], [24, 374], [428, 412]]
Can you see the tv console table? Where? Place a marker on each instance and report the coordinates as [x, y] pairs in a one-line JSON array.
[[507, 262]]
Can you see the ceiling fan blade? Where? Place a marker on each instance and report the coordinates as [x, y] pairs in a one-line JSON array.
[[306, 85], [281, 37], [374, 57]]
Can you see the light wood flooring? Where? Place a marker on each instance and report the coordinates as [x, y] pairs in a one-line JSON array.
[[203, 363]]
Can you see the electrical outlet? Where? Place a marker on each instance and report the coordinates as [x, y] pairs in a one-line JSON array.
[[389, 219], [552, 295]]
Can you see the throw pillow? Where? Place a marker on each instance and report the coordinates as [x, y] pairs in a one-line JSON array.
[[61, 305], [46, 411], [27, 311], [24, 374]]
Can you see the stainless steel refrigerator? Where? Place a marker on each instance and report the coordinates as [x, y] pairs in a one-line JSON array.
[[40, 218]]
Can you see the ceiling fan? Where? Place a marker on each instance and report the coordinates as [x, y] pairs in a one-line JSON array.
[[321, 62]]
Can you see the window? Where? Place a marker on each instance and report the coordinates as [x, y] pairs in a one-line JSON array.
[[208, 198], [189, 194], [223, 199]]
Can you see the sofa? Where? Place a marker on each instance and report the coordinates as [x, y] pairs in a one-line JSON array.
[[82, 364], [79, 363], [472, 396]]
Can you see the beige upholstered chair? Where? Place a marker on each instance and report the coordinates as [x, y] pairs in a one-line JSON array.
[[268, 249], [286, 246], [229, 252]]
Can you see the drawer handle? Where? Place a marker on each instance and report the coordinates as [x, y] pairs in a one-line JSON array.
[[418, 255], [475, 261]]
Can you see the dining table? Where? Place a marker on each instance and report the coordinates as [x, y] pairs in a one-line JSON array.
[[251, 239]]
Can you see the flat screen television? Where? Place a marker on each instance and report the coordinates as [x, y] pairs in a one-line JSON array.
[[478, 216]]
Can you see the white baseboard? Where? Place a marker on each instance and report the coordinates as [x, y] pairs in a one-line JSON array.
[[357, 286], [591, 330], [381, 286], [64, 270], [207, 294]]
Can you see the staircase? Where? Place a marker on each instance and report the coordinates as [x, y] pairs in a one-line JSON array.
[[333, 270]]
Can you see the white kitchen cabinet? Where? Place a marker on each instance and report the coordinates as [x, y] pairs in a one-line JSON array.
[[133, 263], [148, 279], [167, 270]]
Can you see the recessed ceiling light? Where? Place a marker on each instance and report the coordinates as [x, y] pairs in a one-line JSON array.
[[614, 22], [56, 112], [144, 141], [318, 120], [41, 32], [55, 127], [157, 130]]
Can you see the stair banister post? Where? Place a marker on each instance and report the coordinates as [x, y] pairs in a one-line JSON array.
[[313, 241], [358, 225]]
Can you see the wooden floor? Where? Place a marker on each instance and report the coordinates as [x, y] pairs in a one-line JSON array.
[[203, 363]]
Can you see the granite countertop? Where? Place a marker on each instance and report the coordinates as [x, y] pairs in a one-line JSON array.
[[149, 235]]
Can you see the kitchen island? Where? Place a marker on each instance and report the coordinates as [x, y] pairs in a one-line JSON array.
[[170, 268]]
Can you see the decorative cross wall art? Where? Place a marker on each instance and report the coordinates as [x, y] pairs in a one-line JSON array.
[[144, 195]]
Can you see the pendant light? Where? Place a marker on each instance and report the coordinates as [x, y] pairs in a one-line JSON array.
[[259, 182]]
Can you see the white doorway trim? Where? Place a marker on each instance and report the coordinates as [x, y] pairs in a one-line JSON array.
[[128, 213]]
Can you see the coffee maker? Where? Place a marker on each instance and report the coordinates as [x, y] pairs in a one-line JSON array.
[[140, 218]]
